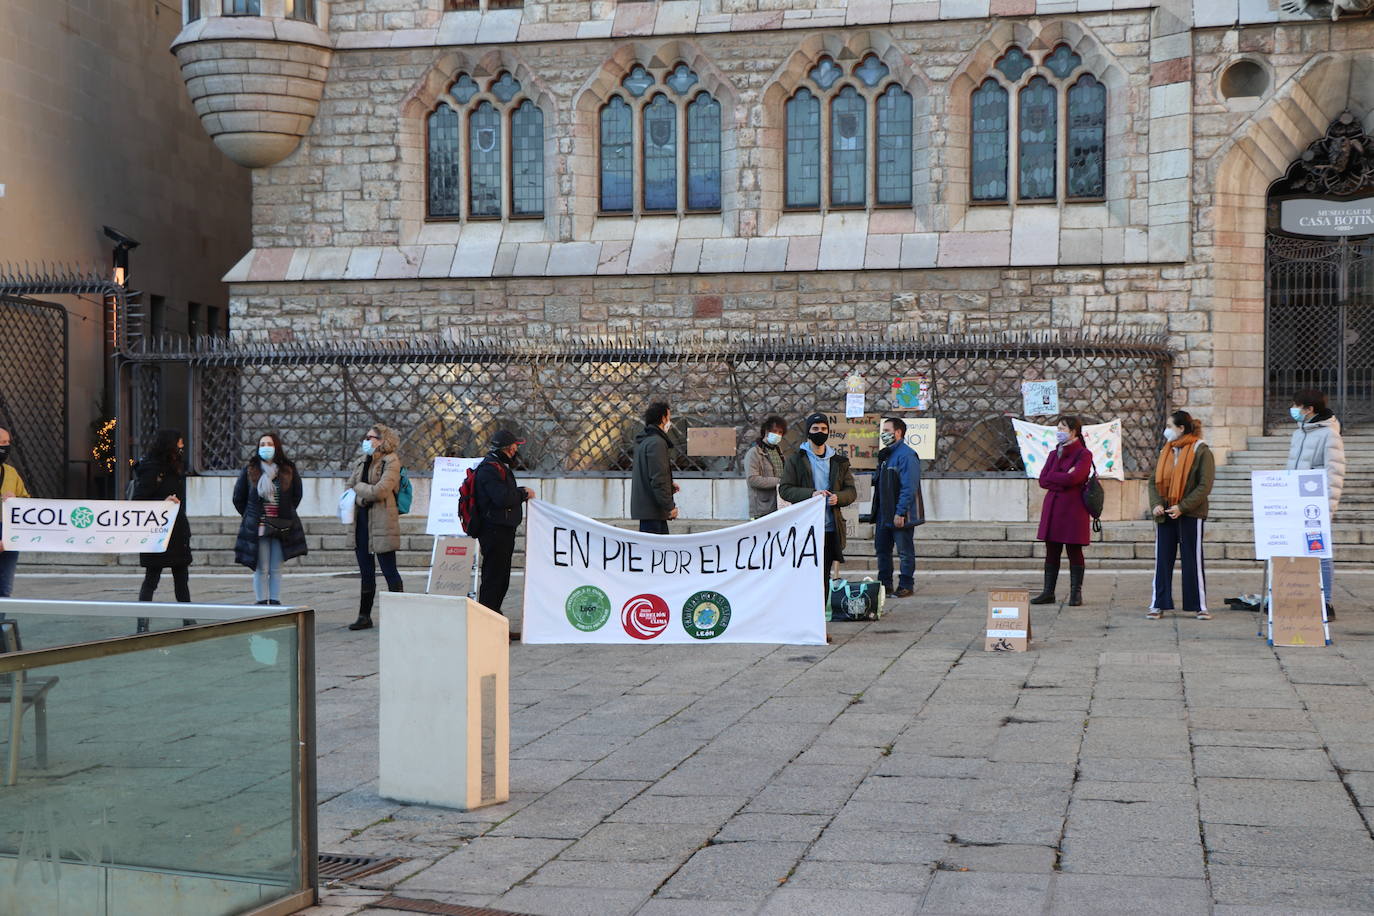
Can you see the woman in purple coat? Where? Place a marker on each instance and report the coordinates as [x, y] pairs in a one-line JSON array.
[[1064, 520]]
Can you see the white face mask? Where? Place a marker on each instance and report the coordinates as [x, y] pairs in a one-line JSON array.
[[1170, 434], [772, 438]]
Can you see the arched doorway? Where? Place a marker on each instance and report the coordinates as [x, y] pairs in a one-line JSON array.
[[1319, 277]]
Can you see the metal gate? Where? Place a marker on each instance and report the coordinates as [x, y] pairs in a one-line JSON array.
[[33, 390], [1319, 325]]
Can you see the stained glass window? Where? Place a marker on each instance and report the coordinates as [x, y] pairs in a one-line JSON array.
[[527, 160], [990, 141], [894, 146], [1036, 141], [617, 169], [1063, 61], [871, 71], [1087, 159], [1014, 63], [848, 148], [825, 73], [484, 161], [637, 81], [505, 88], [681, 79], [703, 153], [463, 89], [660, 154], [443, 163], [803, 150]]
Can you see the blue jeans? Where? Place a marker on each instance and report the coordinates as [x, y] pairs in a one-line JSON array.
[[368, 561], [267, 577], [9, 559], [884, 537]]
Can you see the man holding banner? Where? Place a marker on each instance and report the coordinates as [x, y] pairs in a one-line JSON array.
[[816, 468]]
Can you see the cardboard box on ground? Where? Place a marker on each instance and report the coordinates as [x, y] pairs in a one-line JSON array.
[[451, 572], [1008, 624]]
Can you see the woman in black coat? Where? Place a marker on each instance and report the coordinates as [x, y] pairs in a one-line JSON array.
[[162, 476], [267, 495]]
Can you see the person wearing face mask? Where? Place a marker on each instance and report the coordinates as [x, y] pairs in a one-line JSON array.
[[896, 494], [1317, 443], [267, 495], [817, 468], [651, 475], [1178, 503], [376, 521], [763, 467], [11, 484], [1064, 519], [498, 503], [162, 476]]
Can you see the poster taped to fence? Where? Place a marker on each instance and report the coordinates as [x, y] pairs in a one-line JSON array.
[[88, 525], [1040, 399], [1102, 439], [757, 582], [449, 474], [1292, 511], [1297, 609], [920, 435], [712, 442], [857, 439], [911, 392]]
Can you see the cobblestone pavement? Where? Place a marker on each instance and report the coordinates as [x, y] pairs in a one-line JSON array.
[[1122, 766]]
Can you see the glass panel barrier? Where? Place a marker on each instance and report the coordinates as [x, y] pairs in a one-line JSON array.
[[170, 772]]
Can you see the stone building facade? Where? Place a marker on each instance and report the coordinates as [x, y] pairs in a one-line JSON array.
[[1206, 104]]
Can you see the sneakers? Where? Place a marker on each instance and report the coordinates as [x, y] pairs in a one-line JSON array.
[[1153, 614], [1203, 615], [903, 593]]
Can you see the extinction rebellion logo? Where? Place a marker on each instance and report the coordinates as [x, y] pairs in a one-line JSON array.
[[645, 616], [587, 608], [706, 615]]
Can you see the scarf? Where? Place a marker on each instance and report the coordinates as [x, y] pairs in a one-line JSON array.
[[267, 486], [1171, 473]]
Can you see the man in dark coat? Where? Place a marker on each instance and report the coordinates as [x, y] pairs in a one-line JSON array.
[[896, 494], [651, 478], [818, 468], [498, 504]]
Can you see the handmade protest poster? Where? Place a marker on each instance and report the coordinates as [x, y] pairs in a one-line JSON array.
[[1297, 608], [450, 569], [920, 436], [1008, 625], [857, 439], [1035, 443], [711, 442], [756, 582], [1040, 399], [854, 396], [911, 392]]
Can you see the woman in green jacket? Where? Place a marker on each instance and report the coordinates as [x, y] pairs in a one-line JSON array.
[[1178, 503]]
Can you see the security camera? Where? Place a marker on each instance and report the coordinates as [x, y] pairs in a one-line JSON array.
[[120, 238]]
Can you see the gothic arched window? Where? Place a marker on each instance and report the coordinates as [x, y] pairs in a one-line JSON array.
[[484, 152], [862, 145], [658, 135], [1058, 127]]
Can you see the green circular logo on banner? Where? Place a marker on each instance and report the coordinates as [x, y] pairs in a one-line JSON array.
[[82, 517], [588, 608], [706, 615]]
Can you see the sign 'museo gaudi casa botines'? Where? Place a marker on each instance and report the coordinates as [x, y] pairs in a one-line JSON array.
[[1310, 216]]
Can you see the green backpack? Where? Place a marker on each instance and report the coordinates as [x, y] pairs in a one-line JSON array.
[[405, 494]]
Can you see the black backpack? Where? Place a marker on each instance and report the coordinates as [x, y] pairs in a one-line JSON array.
[[468, 514]]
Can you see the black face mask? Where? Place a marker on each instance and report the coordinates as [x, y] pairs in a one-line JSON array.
[[819, 438], [4, 453]]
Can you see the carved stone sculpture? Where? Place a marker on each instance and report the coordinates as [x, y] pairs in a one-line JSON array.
[[1315, 8]]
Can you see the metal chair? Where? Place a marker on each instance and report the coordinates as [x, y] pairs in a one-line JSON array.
[[23, 693]]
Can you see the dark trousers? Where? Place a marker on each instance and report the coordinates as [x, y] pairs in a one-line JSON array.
[[653, 526], [181, 583], [885, 537], [830, 555], [367, 565], [498, 546], [1053, 550], [1181, 537]]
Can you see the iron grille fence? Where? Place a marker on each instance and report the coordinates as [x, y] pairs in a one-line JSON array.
[[578, 402], [33, 391]]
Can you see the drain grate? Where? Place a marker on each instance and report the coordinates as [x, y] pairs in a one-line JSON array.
[[412, 905], [336, 867]]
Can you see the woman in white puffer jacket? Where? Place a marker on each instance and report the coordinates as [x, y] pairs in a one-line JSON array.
[[1317, 443]]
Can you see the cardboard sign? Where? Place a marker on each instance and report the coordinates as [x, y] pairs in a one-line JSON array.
[[857, 439], [854, 396], [1009, 626], [920, 435], [861, 506], [711, 442], [1297, 608], [450, 571]]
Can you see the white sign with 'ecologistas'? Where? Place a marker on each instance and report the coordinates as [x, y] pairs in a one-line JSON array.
[[88, 525]]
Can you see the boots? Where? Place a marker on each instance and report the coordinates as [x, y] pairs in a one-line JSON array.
[[1046, 596], [364, 621], [399, 587], [1075, 586]]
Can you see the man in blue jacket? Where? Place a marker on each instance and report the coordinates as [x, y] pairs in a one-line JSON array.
[[896, 500]]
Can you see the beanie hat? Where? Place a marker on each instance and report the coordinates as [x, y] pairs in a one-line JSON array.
[[814, 419]]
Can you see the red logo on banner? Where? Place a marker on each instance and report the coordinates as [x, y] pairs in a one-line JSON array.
[[644, 616]]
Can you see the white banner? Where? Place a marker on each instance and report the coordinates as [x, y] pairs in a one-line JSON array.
[[1292, 513], [88, 525], [759, 582], [1102, 439], [449, 474]]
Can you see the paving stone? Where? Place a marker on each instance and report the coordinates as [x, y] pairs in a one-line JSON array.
[[915, 764], [661, 906], [1289, 847], [1110, 854], [983, 893], [1300, 890], [776, 799], [897, 817], [570, 810], [1143, 819], [734, 871], [1262, 738], [912, 789], [796, 901], [1263, 763], [785, 827], [625, 875], [1248, 719], [486, 865], [570, 901], [1107, 769], [847, 845], [1113, 736], [1084, 894], [902, 878], [652, 808], [624, 842], [1277, 803], [999, 857], [1352, 755]]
